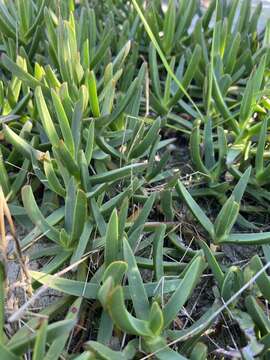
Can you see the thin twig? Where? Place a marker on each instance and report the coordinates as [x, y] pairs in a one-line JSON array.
[[21, 258]]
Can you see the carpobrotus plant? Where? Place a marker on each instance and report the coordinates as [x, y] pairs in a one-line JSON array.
[[134, 151]]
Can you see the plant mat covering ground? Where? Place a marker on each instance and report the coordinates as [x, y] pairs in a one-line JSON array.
[[134, 163]]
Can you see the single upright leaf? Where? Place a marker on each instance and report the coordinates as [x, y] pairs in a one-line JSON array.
[[158, 242], [93, 97], [112, 240], [209, 145], [156, 321], [184, 290], [136, 286], [259, 159], [4, 179], [246, 103], [169, 26], [226, 218], [213, 263], [240, 187], [63, 122], [90, 142], [46, 117], [40, 343], [195, 145], [195, 209], [79, 215]]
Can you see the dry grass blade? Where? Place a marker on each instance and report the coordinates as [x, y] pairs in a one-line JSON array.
[[22, 261]]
